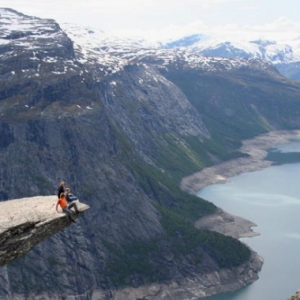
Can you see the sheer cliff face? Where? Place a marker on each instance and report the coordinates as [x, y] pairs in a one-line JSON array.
[[98, 121], [61, 120]]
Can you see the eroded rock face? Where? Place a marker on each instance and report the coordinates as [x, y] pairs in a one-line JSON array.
[[28, 221]]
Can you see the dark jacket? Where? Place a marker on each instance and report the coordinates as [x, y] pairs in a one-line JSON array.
[[68, 197], [60, 190]]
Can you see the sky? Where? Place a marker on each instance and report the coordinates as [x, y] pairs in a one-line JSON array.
[[170, 17]]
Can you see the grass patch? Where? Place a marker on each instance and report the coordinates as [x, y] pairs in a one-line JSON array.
[[176, 157], [165, 191]]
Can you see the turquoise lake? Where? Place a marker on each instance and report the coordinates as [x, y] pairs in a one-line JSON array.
[[271, 199]]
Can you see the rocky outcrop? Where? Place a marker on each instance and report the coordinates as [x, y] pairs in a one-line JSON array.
[[26, 222]]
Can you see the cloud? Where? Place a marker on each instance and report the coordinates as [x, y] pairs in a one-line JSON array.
[[152, 18], [282, 25], [249, 8], [282, 28], [211, 3]]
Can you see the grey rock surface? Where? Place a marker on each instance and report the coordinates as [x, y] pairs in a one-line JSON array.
[[26, 222]]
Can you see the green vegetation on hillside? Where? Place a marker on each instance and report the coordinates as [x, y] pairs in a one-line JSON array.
[[182, 241], [232, 108], [175, 157], [227, 251], [166, 192], [224, 105], [180, 155]]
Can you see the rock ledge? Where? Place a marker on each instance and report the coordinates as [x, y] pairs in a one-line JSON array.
[[28, 221]]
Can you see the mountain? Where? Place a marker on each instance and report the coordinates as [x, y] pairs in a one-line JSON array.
[[285, 55], [290, 70], [273, 51], [121, 123], [185, 41]]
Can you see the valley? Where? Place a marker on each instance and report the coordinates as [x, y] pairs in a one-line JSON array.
[[122, 125]]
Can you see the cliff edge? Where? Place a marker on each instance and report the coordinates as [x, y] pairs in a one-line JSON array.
[[28, 221]]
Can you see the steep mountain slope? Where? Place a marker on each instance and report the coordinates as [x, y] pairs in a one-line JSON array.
[[236, 99], [122, 128]]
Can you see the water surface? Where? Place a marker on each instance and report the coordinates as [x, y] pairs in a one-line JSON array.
[[271, 199]]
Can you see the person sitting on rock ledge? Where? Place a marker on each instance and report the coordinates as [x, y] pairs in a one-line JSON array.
[[67, 208], [69, 196], [61, 189]]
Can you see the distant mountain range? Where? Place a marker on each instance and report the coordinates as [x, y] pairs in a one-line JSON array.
[[284, 55], [273, 51]]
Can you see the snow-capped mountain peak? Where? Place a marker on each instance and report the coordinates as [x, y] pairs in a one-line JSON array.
[[16, 25], [227, 46], [96, 47]]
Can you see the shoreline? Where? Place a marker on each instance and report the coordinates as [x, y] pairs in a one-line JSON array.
[[227, 224], [256, 148], [221, 221], [220, 281], [197, 286]]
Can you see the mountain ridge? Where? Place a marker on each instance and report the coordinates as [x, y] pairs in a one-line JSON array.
[[284, 54]]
